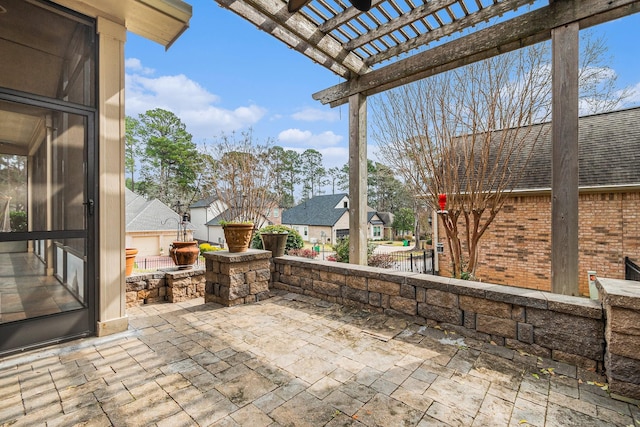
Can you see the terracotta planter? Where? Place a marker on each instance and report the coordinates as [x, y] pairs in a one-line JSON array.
[[274, 242], [238, 236], [184, 254], [130, 257]]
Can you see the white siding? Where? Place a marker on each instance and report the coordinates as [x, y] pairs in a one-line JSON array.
[[216, 234], [199, 217]]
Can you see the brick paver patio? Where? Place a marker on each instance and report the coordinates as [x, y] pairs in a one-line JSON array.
[[294, 361]]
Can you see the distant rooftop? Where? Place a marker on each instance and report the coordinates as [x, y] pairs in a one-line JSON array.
[[148, 215]]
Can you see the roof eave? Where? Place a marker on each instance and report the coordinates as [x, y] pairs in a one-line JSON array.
[[161, 21], [171, 18]]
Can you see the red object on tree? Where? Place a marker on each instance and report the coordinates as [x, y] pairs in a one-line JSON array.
[[442, 201]]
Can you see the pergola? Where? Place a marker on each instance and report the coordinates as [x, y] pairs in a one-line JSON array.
[[401, 41]]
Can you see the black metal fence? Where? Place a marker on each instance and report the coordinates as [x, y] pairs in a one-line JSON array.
[[159, 262], [631, 270], [413, 261]]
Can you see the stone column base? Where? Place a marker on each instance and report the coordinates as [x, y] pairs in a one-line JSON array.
[[237, 278]]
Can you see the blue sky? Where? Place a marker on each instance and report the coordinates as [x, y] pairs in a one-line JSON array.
[[224, 75]]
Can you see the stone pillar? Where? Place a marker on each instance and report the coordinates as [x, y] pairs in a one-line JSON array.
[[237, 278], [621, 302], [183, 285]]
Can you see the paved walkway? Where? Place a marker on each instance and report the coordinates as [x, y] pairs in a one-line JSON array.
[[294, 361]]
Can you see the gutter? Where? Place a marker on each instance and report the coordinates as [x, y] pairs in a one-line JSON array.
[[582, 190]]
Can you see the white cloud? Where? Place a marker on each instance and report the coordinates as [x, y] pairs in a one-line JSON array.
[[334, 156], [291, 136], [134, 64], [326, 139], [316, 114], [308, 139], [191, 102]]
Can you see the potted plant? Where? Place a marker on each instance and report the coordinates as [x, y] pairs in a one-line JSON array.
[[244, 177], [130, 257], [184, 251], [276, 242], [237, 234], [278, 239]]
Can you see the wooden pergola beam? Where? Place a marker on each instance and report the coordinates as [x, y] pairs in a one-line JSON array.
[[564, 159], [519, 32], [358, 180], [299, 33]]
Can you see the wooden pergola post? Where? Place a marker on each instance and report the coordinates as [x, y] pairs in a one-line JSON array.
[[564, 174], [358, 179]]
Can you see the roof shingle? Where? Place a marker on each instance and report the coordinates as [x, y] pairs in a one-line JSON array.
[[608, 152], [149, 215]]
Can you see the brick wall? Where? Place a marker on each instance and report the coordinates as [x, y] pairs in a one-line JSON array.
[[516, 249]]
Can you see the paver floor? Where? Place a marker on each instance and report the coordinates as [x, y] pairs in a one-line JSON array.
[[294, 361]]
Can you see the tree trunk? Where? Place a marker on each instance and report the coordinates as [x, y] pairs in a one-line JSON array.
[[417, 235]]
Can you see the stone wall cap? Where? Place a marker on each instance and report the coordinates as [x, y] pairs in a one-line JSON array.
[[391, 276], [518, 296], [231, 257], [137, 277], [429, 281], [578, 306], [619, 292], [179, 274], [462, 286]]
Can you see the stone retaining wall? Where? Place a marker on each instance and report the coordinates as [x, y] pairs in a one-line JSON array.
[[160, 286], [564, 328], [622, 311]]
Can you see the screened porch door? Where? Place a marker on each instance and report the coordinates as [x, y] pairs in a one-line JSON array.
[[47, 285]]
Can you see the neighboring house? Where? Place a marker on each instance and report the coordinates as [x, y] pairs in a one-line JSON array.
[[274, 215], [203, 211], [375, 226], [387, 219], [326, 219], [516, 248], [207, 213], [151, 225]]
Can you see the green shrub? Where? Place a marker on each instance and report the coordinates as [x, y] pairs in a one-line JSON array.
[[294, 239], [342, 249], [206, 247]]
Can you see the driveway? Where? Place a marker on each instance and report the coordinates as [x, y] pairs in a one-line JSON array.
[[386, 249]]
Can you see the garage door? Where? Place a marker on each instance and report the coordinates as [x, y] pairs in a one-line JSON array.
[[146, 245]]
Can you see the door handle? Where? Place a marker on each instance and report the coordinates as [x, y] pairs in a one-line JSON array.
[[90, 204]]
